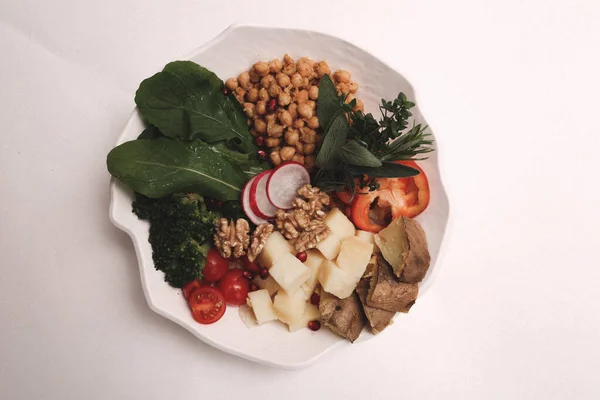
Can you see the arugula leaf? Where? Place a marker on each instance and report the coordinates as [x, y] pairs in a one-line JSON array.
[[185, 101], [334, 140], [355, 154], [387, 170], [159, 167], [329, 103]]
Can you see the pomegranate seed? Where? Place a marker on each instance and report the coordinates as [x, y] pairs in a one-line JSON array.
[[315, 299], [264, 273], [314, 325], [302, 256], [248, 275], [260, 141], [271, 105], [225, 91], [253, 287], [262, 154]]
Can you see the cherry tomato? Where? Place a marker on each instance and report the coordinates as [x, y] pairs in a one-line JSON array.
[[250, 266], [193, 285], [216, 266], [207, 304], [234, 287], [403, 196]]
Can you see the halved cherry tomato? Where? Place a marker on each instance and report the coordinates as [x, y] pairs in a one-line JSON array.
[[207, 304], [234, 287], [216, 266], [193, 285], [403, 196], [250, 266]]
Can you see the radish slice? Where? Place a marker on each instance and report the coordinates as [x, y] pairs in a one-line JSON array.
[[256, 220], [284, 182], [259, 202]]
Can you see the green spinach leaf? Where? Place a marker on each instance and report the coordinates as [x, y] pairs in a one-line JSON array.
[[151, 132], [355, 154], [158, 167]]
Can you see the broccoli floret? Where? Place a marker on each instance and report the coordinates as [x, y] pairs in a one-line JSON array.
[[181, 229]]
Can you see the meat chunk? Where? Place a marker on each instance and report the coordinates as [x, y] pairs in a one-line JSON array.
[[388, 293], [344, 317], [378, 319]]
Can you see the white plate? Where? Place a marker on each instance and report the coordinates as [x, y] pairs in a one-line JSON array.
[[232, 52]]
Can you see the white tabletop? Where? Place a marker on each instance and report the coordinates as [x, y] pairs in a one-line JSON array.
[[512, 91]]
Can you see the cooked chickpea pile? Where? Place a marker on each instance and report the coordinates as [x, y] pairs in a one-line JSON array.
[[280, 100]]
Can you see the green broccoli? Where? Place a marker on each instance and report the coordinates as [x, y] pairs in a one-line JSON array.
[[181, 230]]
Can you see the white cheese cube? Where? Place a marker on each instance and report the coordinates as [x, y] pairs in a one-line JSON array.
[[275, 247], [261, 304], [311, 313], [289, 272], [329, 247], [354, 256], [313, 262], [336, 281], [289, 306], [340, 226], [269, 284], [366, 236]]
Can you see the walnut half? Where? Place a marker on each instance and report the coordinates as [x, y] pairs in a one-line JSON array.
[[232, 239], [259, 238]]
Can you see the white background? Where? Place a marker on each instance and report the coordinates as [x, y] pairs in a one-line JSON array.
[[510, 87]]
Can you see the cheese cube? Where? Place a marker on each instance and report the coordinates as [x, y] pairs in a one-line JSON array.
[[354, 256], [289, 306], [339, 224], [336, 281], [289, 272], [313, 262], [269, 284], [366, 236], [275, 247], [329, 247], [311, 313], [261, 304]]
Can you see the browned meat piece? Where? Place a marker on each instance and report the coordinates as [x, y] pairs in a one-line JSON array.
[[404, 246], [378, 319], [344, 317], [387, 293]]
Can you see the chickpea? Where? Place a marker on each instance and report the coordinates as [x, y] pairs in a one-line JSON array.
[[342, 76], [349, 98], [299, 123], [353, 86], [308, 135], [231, 84], [342, 88], [298, 158], [293, 110], [313, 92], [309, 61], [252, 95], [284, 99], [309, 148], [267, 81], [254, 77], [239, 94], [313, 122], [299, 147], [289, 66], [274, 90], [244, 80], [275, 65], [287, 152], [359, 106], [260, 126], [275, 157], [261, 68], [285, 118], [306, 83], [263, 94], [309, 162], [301, 96], [323, 69], [270, 118], [261, 107], [272, 142], [297, 80], [291, 136], [304, 69], [249, 109], [312, 104], [274, 130], [283, 80], [304, 110]]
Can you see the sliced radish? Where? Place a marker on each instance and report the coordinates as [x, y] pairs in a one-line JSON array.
[[259, 201], [246, 204], [284, 182]]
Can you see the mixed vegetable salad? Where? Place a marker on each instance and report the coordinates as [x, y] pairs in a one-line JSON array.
[[275, 190]]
